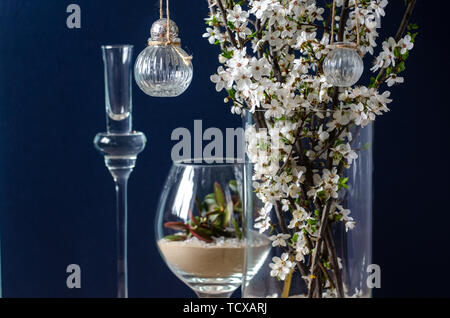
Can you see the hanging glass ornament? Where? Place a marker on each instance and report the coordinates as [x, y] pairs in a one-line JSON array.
[[164, 69], [344, 66]]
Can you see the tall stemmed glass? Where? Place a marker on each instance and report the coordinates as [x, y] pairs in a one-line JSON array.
[[119, 145]]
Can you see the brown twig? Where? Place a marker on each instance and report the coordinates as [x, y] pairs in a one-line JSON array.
[[224, 15], [329, 242], [322, 229], [343, 21]]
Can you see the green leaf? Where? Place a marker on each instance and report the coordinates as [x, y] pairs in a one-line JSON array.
[[179, 226], [251, 36], [343, 183], [227, 216], [405, 56], [230, 25], [201, 237], [210, 202], [236, 228], [412, 26], [193, 218], [227, 54], [198, 204], [295, 238], [233, 186], [203, 231], [366, 146], [220, 196], [216, 212], [231, 93], [176, 237], [321, 195]]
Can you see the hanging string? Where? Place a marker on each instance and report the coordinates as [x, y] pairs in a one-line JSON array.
[[333, 16], [176, 45], [168, 20], [358, 36]]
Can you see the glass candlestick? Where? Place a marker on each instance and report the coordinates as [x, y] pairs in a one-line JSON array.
[[119, 144]]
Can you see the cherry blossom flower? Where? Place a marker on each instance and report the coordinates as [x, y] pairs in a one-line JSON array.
[[281, 266], [279, 239], [405, 44], [212, 35], [394, 79], [237, 14], [222, 79]]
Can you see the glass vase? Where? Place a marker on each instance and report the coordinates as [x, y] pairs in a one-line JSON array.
[[353, 248], [199, 227]]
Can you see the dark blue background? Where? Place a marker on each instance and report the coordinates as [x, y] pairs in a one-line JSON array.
[[57, 198]]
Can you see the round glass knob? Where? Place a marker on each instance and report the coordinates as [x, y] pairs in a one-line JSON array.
[[343, 66], [159, 30]]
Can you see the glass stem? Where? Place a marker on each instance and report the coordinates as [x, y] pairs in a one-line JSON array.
[[122, 244]]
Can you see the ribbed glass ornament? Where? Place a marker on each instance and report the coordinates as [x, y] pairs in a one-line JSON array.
[[343, 66], [161, 70]]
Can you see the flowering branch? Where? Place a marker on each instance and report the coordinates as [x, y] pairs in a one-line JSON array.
[[401, 30], [272, 53]]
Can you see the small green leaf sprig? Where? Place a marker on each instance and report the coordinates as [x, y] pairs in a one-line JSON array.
[[216, 217]]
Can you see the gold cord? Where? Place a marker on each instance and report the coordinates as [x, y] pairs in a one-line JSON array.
[[333, 16], [358, 40], [358, 37], [168, 20]]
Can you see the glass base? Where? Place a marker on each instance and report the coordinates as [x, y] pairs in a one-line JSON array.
[[211, 287]]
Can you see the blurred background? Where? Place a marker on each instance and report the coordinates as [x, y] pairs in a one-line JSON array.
[[57, 199]]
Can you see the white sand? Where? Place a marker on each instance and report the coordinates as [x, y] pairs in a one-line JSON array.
[[220, 259]]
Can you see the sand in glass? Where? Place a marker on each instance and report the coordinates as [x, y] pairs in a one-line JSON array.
[[119, 145]]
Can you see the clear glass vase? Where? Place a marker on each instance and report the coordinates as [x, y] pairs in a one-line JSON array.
[[353, 248]]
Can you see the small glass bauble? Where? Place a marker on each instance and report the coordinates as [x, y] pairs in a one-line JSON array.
[[163, 69], [343, 66]]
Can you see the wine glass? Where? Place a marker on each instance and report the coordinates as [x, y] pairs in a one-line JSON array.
[[199, 225]]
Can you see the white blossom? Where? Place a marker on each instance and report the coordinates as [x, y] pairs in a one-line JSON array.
[[212, 35], [222, 79], [237, 14], [279, 239], [394, 79], [281, 266]]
